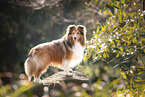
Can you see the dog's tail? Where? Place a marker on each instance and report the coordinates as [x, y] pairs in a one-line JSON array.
[[29, 67]]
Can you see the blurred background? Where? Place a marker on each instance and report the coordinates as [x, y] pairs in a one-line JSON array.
[[114, 58]]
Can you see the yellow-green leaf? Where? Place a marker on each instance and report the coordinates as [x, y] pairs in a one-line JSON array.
[[134, 41], [124, 13], [144, 50], [143, 39], [117, 55], [121, 49], [104, 55], [107, 55], [123, 75]]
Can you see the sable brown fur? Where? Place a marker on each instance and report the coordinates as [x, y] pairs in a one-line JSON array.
[[58, 53]]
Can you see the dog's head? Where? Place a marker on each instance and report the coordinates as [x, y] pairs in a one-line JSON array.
[[76, 34]]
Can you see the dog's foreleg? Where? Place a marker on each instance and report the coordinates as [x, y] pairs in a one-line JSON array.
[[29, 68], [66, 67]]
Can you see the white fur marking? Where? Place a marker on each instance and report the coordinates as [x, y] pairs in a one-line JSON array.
[[65, 65], [78, 54]]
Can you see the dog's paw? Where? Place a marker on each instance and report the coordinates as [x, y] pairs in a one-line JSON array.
[[68, 73], [37, 80]]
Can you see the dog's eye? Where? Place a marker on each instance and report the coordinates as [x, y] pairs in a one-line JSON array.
[[78, 33]]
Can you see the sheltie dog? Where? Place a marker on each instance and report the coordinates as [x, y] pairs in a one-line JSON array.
[[64, 53]]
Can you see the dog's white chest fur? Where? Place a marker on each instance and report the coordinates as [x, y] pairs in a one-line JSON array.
[[78, 54]]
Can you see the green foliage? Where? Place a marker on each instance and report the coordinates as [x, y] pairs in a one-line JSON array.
[[15, 90], [120, 42]]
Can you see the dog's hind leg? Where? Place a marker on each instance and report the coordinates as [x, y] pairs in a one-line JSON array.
[[29, 68], [40, 70]]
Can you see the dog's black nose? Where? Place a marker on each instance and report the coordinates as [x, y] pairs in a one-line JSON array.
[[75, 38]]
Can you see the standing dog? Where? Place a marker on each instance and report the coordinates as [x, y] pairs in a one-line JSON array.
[[63, 53]]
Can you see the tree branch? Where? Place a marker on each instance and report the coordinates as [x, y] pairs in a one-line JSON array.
[[35, 4]]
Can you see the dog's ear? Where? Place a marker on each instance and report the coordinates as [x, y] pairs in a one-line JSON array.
[[70, 29], [82, 29]]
